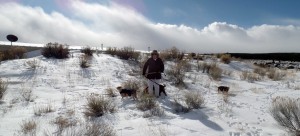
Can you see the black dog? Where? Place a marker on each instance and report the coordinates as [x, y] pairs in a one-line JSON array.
[[223, 89], [161, 90]]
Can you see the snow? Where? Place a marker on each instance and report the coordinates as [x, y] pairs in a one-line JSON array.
[[64, 85]]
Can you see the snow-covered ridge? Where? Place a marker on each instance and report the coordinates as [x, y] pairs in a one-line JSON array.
[[64, 85]]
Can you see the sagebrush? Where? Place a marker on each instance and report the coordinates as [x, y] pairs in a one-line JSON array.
[[55, 50], [286, 111]]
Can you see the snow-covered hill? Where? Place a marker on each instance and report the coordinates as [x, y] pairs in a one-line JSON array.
[[63, 85]]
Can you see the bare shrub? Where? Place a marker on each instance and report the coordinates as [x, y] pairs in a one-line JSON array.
[[84, 61], [147, 102], [177, 72], [87, 51], [171, 54], [55, 50], [127, 53], [110, 92], [215, 71], [97, 106], [260, 71], [226, 58], [286, 112], [3, 88], [276, 74], [28, 128], [194, 100], [43, 109]]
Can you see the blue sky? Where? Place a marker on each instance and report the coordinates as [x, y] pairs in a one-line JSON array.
[[192, 25]]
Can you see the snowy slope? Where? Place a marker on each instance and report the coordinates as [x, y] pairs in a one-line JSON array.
[[64, 85]]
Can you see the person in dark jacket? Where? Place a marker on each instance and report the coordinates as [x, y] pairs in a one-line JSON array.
[[152, 71]]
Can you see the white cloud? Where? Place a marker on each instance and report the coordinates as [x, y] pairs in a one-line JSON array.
[[114, 25]]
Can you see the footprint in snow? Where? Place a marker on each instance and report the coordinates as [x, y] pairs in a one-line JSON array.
[[129, 128]]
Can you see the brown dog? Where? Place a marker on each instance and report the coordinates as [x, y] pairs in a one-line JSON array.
[[223, 89], [127, 93]]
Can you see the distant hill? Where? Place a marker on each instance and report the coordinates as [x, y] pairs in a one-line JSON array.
[[268, 56]]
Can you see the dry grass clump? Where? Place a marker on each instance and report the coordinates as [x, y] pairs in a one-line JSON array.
[[28, 127], [147, 102], [226, 58], [62, 123], [276, 74], [155, 111], [110, 92], [286, 112], [55, 50], [84, 61], [250, 77], [43, 109], [3, 88], [13, 53], [125, 53], [215, 71], [193, 100], [33, 64], [260, 71], [86, 129], [97, 106]]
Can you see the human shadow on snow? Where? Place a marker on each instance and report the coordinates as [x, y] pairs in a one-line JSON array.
[[193, 115]]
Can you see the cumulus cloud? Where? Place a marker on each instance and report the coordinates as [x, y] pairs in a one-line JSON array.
[[116, 25]]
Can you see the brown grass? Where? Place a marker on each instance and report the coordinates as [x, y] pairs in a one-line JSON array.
[[3, 88], [226, 58], [215, 71], [29, 127], [13, 53], [276, 74], [147, 102], [97, 106]]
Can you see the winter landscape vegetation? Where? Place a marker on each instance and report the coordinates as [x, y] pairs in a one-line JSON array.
[[57, 80]]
